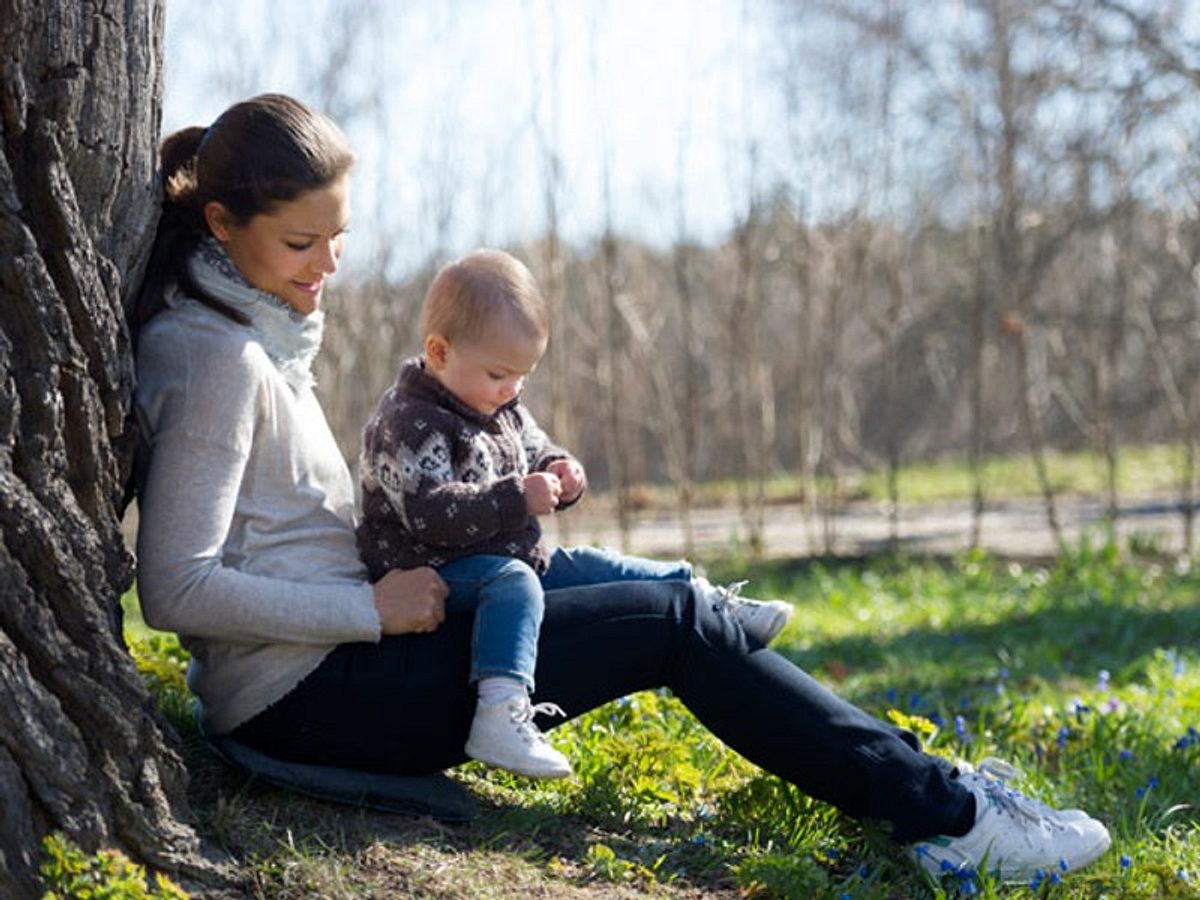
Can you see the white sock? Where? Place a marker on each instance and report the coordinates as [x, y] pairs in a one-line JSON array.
[[499, 690]]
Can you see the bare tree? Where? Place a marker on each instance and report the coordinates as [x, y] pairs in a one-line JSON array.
[[81, 749]]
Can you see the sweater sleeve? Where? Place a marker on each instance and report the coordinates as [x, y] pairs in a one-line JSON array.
[[540, 451], [204, 427]]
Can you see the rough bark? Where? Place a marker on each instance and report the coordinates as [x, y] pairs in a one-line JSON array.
[[81, 749]]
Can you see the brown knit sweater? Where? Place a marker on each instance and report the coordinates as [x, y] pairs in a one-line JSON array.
[[441, 481]]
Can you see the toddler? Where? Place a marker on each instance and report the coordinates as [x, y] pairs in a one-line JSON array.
[[455, 472]]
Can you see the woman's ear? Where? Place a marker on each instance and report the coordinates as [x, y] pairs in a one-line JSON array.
[[436, 348], [218, 219]]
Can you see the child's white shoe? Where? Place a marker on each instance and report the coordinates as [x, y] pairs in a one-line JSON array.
[[760, 619], [503, 735]]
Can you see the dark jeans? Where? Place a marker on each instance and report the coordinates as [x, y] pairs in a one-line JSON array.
[[404, 705]]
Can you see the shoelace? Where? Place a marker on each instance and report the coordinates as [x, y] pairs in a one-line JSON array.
[[524, 713], [996, 775], [727, 595]]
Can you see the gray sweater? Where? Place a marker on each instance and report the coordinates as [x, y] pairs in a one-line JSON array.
[[246, 536]]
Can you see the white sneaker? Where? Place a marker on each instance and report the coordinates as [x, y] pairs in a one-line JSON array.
[[760, 619], [1013, 836], [1007, 772], [504, 735]]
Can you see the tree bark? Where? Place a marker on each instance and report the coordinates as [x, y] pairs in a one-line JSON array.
[[81, 748]]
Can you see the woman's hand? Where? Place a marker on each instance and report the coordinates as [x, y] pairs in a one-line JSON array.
[[410, 601]]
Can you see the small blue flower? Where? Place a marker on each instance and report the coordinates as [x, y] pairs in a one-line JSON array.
[[1150, 785], [1102, 680], [1125, 755], [1190, 739], [1126, 862], [1183, 875], [960, 729], [936, 718], [1054, 878], [891, 695], [1064, 865], [914, 701], [1038, 877], [1063, 733], [863, 871]]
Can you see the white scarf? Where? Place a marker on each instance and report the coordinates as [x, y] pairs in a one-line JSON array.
[[290, 339]]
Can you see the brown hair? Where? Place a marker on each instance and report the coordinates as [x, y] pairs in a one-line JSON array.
[[470, 294], [258, 153]]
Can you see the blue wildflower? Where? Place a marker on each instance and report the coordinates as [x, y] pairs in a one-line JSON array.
[[1063, 864], [914, 701], [1125, 755], [1126, 862], [1038, 877], [1150, 785], [1063, 733], [1102, 680], [891, 696], [1054, 878], [960, 729], [1190, 739]]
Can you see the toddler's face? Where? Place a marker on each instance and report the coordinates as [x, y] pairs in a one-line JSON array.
[[489, 373]]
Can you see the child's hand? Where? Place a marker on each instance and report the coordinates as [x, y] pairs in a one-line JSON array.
[[572, 476], [542, 490]]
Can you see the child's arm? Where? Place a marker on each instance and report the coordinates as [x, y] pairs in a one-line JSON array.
[[543, 455]]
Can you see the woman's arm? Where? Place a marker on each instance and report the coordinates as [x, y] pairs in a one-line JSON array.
[[183, 582]]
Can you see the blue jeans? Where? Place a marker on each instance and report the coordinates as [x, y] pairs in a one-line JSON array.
[[402, 704], [508, 599]]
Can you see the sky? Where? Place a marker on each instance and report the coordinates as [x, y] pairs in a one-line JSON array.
[[651, 109], [474, 119]]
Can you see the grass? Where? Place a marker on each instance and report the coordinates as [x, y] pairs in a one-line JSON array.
[[1086, 675], [1144, 469]]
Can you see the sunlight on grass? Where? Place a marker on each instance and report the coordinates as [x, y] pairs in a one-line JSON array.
[[1085, 675]]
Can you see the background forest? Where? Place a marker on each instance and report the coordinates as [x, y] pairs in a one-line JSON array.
[[946, 228]]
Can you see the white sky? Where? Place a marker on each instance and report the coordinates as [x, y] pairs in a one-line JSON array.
[[438, 100]]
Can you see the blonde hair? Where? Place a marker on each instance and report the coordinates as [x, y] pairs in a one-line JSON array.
[[472, 293]]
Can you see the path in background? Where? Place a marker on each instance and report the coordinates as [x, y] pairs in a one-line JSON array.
[[1015, 528], [1012, 528]]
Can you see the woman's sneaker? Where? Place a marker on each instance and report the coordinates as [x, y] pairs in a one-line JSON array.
[[1013, 836], [760, 619], [503, 735]]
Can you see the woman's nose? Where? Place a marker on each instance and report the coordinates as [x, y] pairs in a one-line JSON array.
[[327, 257]]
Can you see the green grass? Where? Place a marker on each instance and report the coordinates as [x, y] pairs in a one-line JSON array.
[[1141, 470], [1086, 675]]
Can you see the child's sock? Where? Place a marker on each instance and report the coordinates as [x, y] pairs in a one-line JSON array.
[[499, 690]]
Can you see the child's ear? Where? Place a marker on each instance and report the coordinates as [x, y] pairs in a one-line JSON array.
[[436, 348]]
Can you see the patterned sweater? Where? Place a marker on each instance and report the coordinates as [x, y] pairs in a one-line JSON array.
[[442, 481]]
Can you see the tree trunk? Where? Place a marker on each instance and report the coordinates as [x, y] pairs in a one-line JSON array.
[[81, 749]]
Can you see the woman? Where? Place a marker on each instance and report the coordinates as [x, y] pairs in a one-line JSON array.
[[246, 545]]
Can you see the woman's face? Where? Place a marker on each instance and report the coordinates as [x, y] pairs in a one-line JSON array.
[[290, 251]]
